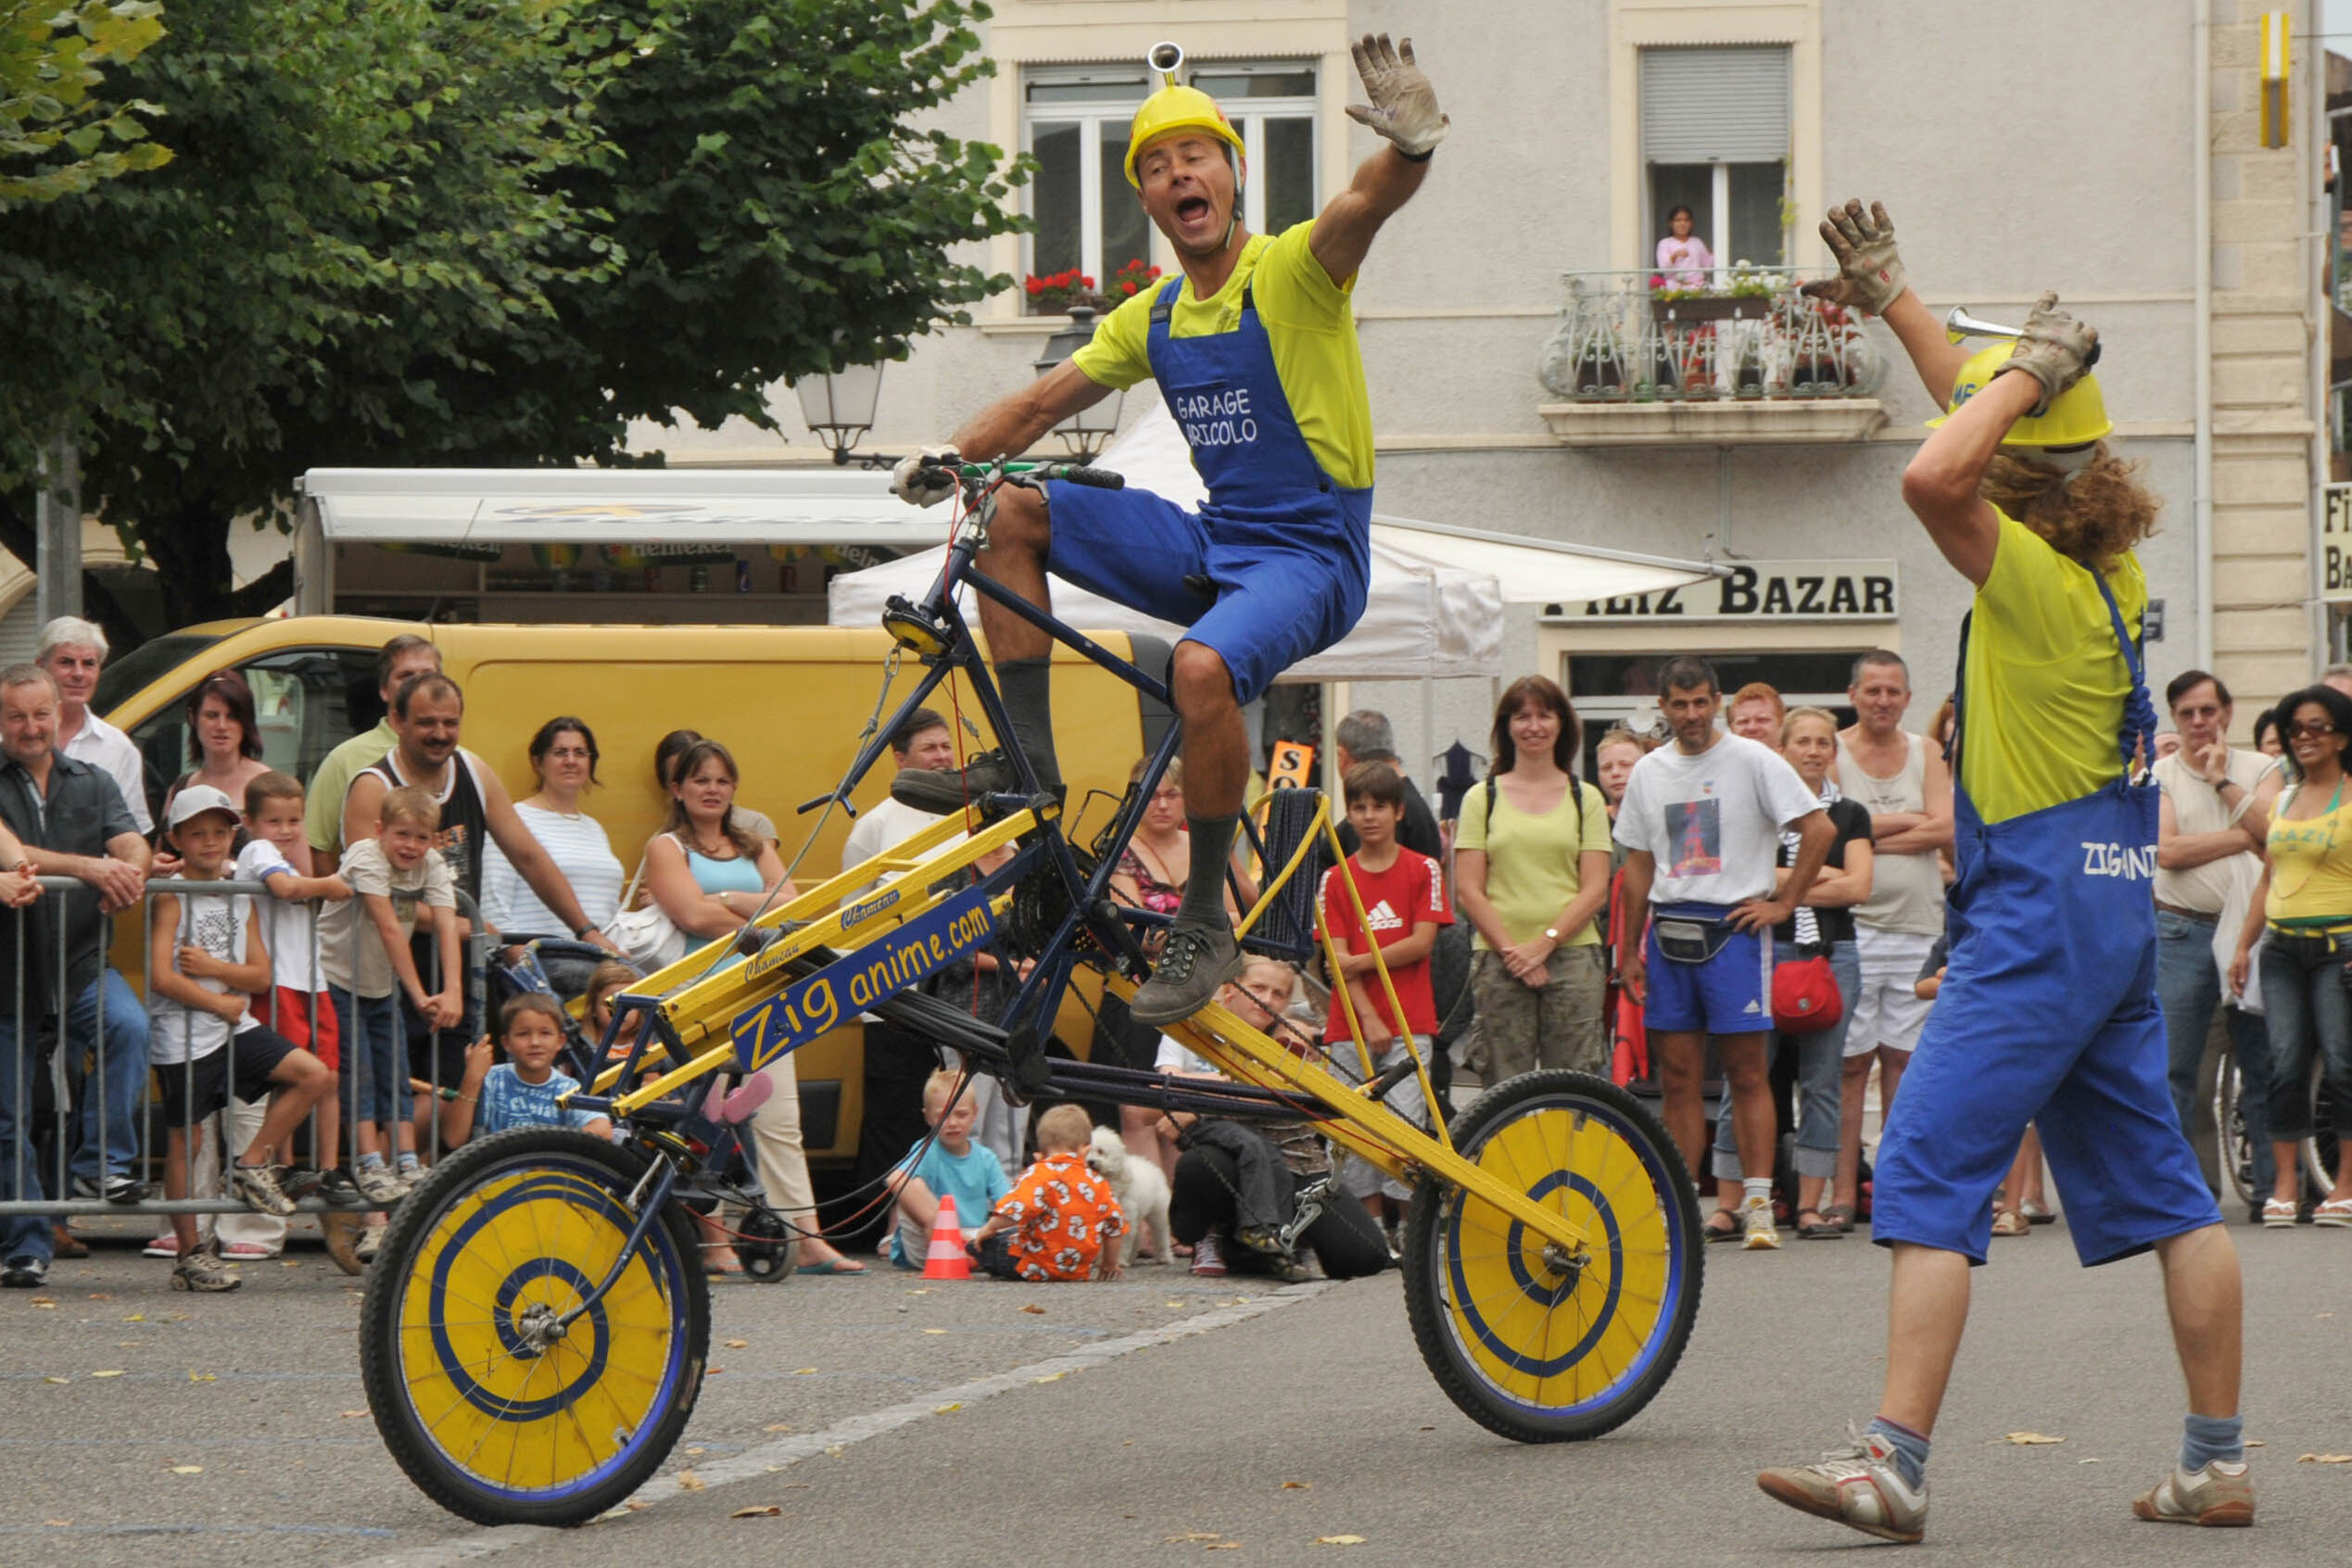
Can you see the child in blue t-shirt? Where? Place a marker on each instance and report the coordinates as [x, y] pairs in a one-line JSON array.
[[524, 1089], [951, 1166]]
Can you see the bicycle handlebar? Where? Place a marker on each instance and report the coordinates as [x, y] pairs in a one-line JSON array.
[[1068, 473]]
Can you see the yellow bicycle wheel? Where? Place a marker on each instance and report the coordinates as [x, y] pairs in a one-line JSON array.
[[495, 1410], [1536, 1346]]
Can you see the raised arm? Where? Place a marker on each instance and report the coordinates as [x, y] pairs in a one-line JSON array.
[[1870, 279], [1404, 109]]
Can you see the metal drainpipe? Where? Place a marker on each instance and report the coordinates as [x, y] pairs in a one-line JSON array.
[[2201, 459]]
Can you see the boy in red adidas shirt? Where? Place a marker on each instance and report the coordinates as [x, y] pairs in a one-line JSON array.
[[1404, 901]]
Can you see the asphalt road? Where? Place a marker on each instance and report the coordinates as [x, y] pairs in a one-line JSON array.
[[1153, 1420]]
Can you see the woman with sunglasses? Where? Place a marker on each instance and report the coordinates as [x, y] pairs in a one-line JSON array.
[[2305, 901]]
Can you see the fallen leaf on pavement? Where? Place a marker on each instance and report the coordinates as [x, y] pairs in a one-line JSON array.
[[803, 1371], [2086, 1462], [2029, 1438], [2325, 1458], [739, 1344], [637, 1507], [1296, 1486], [946, 1410], [57, 1380], [114, 1372], [59, 1523], [778, 1427], [1049, 1377], [350, 1415], [288, 1263], [101, 1296], [136, 1318], [713, 1371], [689, 1482], [934, 1331], [761, 1510], [1222, 1546], [2323, 1314], [1175, 1304], [1033, 1307], [2256, 1443], [187, 1470], [46, 1304], [1189, 1536], [1339, 1541], [691, 1452], [835, 1450]]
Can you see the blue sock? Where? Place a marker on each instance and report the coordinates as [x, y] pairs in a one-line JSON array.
[[371, 1162], [1910, 1449], [2207, 1439]]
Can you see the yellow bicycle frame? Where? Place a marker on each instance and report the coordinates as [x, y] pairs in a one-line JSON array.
[[700, 1000]]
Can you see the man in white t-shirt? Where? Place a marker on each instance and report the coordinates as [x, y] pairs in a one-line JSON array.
[[897, 1062], [1700, 822], [74, 651]]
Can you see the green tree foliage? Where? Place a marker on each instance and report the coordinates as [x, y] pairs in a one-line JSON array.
[[414, 231], [56, 135]]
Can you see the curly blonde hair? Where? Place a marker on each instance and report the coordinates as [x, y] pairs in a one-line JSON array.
[[2092, 514]]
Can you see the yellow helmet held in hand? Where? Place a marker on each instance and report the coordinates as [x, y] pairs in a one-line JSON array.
[[2076, 417], [1176, 108]]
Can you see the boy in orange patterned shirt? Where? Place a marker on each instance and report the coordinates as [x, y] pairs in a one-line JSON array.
[[1053, 1222]]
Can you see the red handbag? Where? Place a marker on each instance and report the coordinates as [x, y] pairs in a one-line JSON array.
[[1804, 996]]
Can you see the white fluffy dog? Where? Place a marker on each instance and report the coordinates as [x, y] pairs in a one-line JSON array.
[[1142, 1189]]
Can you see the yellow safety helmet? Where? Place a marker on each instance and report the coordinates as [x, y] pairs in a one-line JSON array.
[[1175, 108], [2077, 417]]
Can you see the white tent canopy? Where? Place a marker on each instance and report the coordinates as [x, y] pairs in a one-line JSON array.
[[1435, 607]]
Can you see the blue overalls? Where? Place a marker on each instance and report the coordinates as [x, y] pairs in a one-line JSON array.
[[1287, 548], [2047, 1014]]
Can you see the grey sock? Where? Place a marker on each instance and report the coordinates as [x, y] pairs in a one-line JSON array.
[[1028, 704], [2207, 1439], [1212, 851]]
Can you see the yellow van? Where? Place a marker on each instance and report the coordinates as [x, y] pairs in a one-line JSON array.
[[789, 701]]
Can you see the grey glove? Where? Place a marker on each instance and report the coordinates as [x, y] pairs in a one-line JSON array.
[[927, 477], [2054, 349], [1404, 107], [1869, 271]]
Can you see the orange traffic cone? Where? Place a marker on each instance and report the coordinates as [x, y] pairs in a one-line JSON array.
[[945, 1259]]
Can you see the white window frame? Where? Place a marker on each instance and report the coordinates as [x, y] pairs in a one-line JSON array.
[[1249, 118]]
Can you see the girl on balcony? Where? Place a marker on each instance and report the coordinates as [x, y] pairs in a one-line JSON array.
[[1684, 259]]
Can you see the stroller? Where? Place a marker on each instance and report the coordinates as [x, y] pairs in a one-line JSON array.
[[724, 1171]]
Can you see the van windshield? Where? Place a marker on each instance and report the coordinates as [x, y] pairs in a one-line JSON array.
[[130, 673]]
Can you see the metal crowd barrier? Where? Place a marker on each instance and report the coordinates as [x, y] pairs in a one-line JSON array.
[[81, 1058]]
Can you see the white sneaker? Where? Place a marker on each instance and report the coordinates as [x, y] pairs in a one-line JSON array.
[[1756, 1227], [2219, 1493], [1859, 1487], [378, 1185]]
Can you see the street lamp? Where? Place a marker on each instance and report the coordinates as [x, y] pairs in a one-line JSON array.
[[839, 407], [1087, 431]]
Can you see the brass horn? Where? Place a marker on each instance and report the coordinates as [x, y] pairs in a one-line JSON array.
[[1167, 60], [1958, 324]]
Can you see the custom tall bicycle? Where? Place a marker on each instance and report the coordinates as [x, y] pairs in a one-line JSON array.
[[534, 1335]]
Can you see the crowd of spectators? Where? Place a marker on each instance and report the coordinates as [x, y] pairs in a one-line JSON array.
[[1653, 922]]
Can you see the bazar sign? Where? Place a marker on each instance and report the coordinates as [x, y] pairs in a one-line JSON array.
[[1766, 590], [2335, 544]]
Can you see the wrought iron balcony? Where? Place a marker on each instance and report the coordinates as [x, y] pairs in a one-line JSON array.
[[1637, 359]]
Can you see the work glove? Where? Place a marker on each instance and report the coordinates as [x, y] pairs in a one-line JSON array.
[[926, 478], [1404, 107], [1869, 273], [2054, 349]]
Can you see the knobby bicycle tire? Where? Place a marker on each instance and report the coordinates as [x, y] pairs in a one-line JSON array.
[[487, 1424], [1522, 1351]]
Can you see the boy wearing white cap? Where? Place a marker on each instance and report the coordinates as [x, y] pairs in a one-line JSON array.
[[206, 959]]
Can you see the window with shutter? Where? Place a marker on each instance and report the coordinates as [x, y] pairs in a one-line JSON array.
[[1714, 138]]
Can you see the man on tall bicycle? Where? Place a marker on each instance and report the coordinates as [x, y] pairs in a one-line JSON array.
[[1254, 349]]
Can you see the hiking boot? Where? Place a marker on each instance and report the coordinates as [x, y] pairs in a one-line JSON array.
[[257, 1187], [1758, 1233], [342, 1234], [200, 1268], [1208, 1257], [944, 791], [379, 1186], [335, 1188], [2220, 1494], [1197, 959], [1857, 1486], [27, 1272]]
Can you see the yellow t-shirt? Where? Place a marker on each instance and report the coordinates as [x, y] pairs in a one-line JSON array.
[[2045, 682], [1309, 324], [2310, 867], [1532, 868]]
